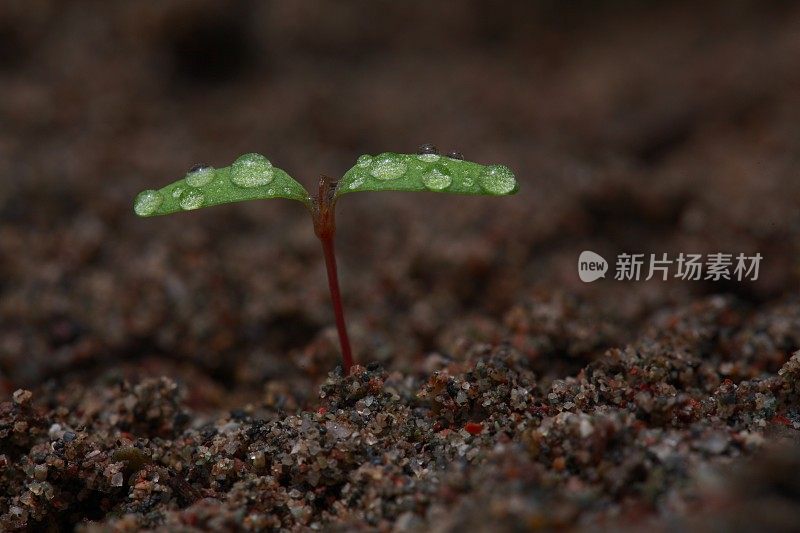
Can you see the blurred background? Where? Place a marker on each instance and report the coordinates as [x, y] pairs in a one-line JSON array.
[[632, 127]]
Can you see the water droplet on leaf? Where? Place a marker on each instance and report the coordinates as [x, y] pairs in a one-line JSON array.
[[497, 179], [200, 175], [428, 158], [428, 153], [147, 202], [437, 179], [427, 148], [177, 192], [193, 200], [364, 161], [388, 167], [251, 170], [456, 155]]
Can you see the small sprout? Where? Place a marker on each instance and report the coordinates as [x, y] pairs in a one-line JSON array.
[[253, 177]]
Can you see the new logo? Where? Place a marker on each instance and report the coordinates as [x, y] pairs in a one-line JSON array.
[[591, 266]]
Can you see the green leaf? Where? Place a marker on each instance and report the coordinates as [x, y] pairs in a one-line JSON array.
[[426, 172], [250, 177]]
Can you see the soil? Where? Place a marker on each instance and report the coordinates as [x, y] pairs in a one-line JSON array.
[[180, 374]]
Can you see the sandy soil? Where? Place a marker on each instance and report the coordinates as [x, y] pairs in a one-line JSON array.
[[179, 373]]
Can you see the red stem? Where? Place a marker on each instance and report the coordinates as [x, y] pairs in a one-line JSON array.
[[323, 211], [336, 298]]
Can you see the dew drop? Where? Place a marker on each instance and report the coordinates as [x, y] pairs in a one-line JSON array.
[[497, 179], [428, 158], [193, 200], [388, 167], [199, 175], [147, 202], [427, 148], [364, 161], [437, 179], [456, 155], [177, 192], [356, 183], [251, 170]]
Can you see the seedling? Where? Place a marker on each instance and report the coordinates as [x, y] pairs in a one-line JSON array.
[[252, 177]]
